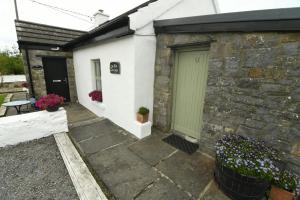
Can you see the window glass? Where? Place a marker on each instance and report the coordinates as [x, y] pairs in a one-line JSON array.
[[97, 70]]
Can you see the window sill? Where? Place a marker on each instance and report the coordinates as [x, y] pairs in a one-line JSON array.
[[99, 104]]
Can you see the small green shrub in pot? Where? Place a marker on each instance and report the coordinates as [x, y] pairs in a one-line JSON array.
[[143, 111], [142, 115]]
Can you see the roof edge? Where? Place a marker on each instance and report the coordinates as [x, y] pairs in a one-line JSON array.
[[286, 19], [254, 15], [50, 26]]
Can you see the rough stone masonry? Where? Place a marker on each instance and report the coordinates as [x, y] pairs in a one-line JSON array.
[[38, 78], [253, 88]]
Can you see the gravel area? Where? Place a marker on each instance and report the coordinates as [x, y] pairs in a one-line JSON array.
[[34, 170]]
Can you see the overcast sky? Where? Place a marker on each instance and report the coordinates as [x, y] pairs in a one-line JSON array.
[[34, 12]]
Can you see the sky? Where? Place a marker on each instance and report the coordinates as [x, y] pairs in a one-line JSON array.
[[32, 11]]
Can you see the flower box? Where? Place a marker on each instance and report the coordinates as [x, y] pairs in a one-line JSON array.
[[281, 194], [96, 95], [50, 102]]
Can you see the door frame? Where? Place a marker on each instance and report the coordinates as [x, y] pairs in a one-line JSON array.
[[174, 82], [68, 99]]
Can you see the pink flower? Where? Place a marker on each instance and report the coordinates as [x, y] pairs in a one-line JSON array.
[[96, 95], [51, 100]]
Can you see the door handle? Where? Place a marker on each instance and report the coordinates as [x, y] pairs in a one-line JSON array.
[[56, 81]]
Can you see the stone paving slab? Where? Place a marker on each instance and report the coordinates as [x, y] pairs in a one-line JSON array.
[[101, 128], [78, 113], [124, 173], [152, 149], [96, 144], [191, 172], [163, 189], [214, 193], [99, 136]]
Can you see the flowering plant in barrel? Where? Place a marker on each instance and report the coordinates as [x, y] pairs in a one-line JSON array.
[[50, 102], [245, 166], [96, 95]]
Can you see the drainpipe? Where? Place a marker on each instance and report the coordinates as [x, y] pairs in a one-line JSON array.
[[29, 72], [216, 6]]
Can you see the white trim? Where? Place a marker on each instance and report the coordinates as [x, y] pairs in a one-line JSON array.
[[85, 184]]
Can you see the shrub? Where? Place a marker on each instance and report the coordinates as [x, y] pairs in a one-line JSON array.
[[50, 100], [11, 62], [96, 95], [143, 111]]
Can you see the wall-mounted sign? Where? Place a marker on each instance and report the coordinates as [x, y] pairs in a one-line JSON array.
[[115, 68]]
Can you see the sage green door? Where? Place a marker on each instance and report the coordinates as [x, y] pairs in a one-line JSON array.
[[189, 91]]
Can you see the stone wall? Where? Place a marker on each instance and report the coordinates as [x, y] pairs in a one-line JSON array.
[[253, 88], [38, 74]]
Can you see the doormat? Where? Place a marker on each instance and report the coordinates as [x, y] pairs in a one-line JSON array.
[[181, 144]]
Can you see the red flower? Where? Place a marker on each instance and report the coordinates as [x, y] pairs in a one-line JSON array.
[[25, 85], [96, 95], [51, 100]]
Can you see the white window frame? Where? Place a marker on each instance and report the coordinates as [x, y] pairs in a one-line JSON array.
[[97, 81]]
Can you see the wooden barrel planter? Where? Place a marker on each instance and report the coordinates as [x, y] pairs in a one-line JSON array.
[[239, 187]]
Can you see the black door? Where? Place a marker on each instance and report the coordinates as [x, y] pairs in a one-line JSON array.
[[56, 76]]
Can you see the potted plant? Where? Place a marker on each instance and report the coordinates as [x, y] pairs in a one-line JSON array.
[[244, 166], [50, 102], [284, 186], [142, 115], [96, 95]]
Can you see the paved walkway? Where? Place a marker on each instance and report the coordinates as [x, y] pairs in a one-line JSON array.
[[144, 169]]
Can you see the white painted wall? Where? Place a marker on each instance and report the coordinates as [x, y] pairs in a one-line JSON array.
[[123, 94], [142, 21], [189, 8], [118, 90], [26, 127]]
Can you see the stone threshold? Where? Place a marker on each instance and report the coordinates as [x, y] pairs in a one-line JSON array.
[[85, 184]]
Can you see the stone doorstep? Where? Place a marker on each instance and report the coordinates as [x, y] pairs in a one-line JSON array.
[[86, 186], [3, 109]]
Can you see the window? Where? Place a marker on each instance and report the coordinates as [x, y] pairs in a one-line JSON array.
[[97, 74]]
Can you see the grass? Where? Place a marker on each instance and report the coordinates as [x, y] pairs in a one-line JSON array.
[[2, 97]]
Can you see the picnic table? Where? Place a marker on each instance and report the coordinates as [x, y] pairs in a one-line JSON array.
[[17, 104]]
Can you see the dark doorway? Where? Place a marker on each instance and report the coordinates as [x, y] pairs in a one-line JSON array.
[[56, 76]]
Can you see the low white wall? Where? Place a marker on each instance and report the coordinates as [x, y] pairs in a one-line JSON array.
[[26, 127], [13, 78]]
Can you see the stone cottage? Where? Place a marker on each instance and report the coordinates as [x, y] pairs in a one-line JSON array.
[[231, 73], [117, 57], [201, 74], [48, 68]]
